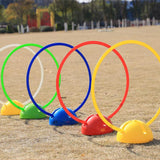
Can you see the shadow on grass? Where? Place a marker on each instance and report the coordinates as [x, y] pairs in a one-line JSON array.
[[155, 142], [58, 130], [14, 117], [26, 121], [110, 141], [106, 140], [130, 147]]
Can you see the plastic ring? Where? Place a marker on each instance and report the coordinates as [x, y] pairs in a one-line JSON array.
[[29, 68], [94, 77], [60, 68], [42, 73], [41, 66]]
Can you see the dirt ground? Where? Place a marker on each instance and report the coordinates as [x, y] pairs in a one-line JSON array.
[[37, 140]]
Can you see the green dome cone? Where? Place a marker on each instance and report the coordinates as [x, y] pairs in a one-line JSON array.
[[31, 112]]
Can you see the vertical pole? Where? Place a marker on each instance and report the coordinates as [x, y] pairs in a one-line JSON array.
[[111, 23], [38, 18], [105, 24], [84, 25], [65, 27], [98, 25], [92, 25], [119, 23], [72, 26], [52, 19]]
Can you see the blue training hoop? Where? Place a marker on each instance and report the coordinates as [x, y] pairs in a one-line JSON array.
[[29, 69]]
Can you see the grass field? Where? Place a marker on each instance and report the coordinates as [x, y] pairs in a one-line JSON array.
[[36, 140]]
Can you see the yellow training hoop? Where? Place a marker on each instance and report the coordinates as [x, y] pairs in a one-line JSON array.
[[94, 77]]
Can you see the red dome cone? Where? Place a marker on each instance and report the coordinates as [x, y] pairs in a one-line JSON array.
[[95, 126]]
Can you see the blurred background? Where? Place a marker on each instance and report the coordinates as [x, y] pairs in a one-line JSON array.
[[54, 15]]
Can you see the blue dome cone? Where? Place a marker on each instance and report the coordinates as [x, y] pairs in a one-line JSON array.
[[60, 118]]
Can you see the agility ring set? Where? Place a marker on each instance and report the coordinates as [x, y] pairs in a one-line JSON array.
[[132, 131]]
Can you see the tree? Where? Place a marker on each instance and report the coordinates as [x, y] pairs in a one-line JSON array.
[[63, 6], [104, 11], [74, 6], [157, 10], [96, 10], [154, 9], [1, 13], [124, 10], [137, 7], [107, 10], [111, 13], [66, 11], [118, 8], [145, 10], [53, 8], [17, 12]]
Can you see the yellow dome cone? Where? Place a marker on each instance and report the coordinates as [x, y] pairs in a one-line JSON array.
[[134, 131], [8, 109]]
